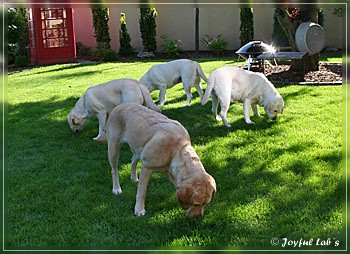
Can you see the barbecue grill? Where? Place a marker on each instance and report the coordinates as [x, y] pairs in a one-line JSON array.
[[252, 50]]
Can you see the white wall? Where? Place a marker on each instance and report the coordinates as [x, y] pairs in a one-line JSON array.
[[178, 22]]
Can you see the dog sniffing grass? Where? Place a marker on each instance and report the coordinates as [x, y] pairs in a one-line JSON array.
[[274, 179]]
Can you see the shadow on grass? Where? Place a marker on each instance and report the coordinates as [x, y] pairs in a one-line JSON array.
[[65, 178], [201, 125], [64, 67]]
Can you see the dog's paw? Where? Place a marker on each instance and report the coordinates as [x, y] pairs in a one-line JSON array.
[[117, 191], [218, 118], [101, 138], [134, 179], [250, 122], [142, 212]]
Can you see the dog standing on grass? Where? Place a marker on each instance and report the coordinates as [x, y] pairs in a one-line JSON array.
[[163, 146], [228, 84], [101, 99], [163, 76]]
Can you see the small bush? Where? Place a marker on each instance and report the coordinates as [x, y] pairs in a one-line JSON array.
[[124, 38], [100, 18], [247, 25], [109, 55], [216, 44], [84, 51], [22, 61], [148, 28], [170, 46]]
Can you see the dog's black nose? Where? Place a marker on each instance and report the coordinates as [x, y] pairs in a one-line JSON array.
[[274, 118], [76, 131]]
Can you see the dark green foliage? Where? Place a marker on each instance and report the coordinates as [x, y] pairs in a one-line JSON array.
[[216, 44], [148, 28], [22, 61], [106, 55], [320, 17], [84, 51], [124, 38], [339, 12], [18, 39], [109, 55], [171, 46], [100, 21], [247, 25], [278, 36]]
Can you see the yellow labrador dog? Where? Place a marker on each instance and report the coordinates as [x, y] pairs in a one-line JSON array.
[[163, 146], [163, 76], [101, 99], [228, 84]]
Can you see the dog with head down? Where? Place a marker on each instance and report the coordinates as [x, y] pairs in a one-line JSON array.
[[98, 101], [163, 76], [163, 146], [230, 84]]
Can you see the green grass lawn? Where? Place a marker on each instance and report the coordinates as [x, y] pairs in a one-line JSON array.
[[279, 179]]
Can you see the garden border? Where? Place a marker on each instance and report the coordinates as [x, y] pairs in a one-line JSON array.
[[307, 83]]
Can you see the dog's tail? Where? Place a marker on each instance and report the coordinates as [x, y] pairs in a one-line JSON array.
[[208, 90], [200, 72], [148, 99]]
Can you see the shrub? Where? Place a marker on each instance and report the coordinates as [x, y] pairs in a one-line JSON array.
[[84, 51], [124, 38], [18, 30], [170, 46], [247, 25], [216, 44], [148, 28], [100, 22], [109, 55], [22, 61]]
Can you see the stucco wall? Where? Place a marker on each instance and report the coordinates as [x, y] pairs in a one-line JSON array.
[[333, 28], [178, 22], [84, 30]]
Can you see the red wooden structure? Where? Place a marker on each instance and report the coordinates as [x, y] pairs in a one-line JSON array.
[[52, 37]]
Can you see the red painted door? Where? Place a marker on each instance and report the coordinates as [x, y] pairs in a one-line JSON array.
[[52, 36]]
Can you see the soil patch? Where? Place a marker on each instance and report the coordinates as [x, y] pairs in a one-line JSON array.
[[328, 73]]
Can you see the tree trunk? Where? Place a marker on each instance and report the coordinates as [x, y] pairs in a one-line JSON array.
[[289, 26], [196, 31]]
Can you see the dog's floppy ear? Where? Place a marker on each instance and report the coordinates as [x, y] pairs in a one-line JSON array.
[[213, 185], [183, 195], [212, 195]]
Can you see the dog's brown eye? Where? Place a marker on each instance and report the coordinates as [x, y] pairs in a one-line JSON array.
[[275, 111], [185, 206]]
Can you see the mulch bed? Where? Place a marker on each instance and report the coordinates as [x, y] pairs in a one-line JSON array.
[[328, 73], [280, 74]]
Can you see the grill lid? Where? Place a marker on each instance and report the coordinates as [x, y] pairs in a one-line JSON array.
[[254, 48]]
